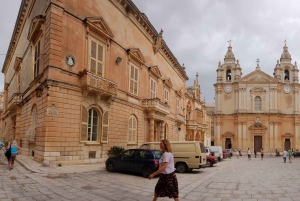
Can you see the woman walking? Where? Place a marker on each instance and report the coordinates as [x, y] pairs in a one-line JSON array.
[[262, 154], [167, 185], [14, 150], [249, 154]]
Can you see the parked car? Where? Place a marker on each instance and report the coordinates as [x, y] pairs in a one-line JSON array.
[[217, 152], [145, 161], [208, 152], [211, 160]]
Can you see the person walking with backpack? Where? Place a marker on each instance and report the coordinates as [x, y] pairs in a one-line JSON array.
[[7, 152]]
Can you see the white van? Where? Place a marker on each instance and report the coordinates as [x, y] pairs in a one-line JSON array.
[[218, 152], [188, 155]]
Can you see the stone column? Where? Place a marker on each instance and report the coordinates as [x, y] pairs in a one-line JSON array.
[[275, 99], [236, 100], [276, 137], [151, 130], [296, 145], [240, 99], [218, 132], [245, 138], [244, 98], [271, 99], [271, 135], [240, 138]]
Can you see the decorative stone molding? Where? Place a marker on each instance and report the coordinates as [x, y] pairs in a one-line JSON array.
[[167, 83], [154, 72], [35, 27], [99, 25], [136, 54]]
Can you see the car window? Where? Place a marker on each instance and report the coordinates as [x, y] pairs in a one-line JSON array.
[[127, 154], [158, 154]]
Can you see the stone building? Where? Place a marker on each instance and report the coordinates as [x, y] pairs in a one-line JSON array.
[[83, 76], [257, 110], [210, 111]]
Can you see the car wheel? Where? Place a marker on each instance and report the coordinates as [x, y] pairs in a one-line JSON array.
[[209, 163], [181, 167], [146, 171], [110, 167]]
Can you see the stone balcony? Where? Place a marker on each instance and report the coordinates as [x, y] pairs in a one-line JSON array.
[[14, 101], [193, 124], [180, 118], [156, 108], [93, 83]]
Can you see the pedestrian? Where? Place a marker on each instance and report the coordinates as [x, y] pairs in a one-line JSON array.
[[167, 185], [249, 154], [262, 154], [7, 151], [254, 153], [239, 151], [293, 154], [284, 154], [1, 145], [14, 151], [290, 152], [237, 154]]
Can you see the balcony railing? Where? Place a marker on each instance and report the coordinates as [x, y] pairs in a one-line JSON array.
[[95, 83], [15, 100], [156, 105], [180, 118]]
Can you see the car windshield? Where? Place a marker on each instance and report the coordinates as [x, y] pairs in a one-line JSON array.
[[127, 154]]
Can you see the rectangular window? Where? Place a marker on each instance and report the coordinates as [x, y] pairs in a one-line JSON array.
[[177, 105], [37, 59], [166, 96], [152, 89], [134, 79], [96, 57]]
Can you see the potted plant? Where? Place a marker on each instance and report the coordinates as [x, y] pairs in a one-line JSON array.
[[115, 150]]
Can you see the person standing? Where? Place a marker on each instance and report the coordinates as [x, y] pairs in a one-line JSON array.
[[167, 185], [254, 153], [284, 154], [237, 154], [239, 151], [14, 151], [290, 152], [7, 151], [249, 154], [262, 154]]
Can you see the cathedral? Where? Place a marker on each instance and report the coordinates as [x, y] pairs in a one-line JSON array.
[[257, 110]]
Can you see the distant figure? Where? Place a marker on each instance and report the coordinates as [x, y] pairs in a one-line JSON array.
[[254, 153], [290, 152], [284, 154], [237, 154], [249, 154], [14, 151], [262, 154]]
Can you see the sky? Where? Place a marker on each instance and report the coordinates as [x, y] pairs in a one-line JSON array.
[[197, 32]]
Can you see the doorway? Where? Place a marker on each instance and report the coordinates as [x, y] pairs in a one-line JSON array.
[[228, 143], [287, 144], [257, 143]]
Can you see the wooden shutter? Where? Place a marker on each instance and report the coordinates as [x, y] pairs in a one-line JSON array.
[[84, 124], [131, 80], [136, 76], [104, 137], [132, 129], [96, 57]]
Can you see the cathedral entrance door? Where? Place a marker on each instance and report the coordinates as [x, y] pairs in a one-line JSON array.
[[227, 143], [257, 143], [287, 144]]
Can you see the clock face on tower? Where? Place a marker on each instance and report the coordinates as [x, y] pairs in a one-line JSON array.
[[286, 88], [227, 88]]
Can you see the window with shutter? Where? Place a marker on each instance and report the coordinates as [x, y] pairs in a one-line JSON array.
[[105, 122], [96, 57], [37, 59], [93, 123], [152, 89], [166, 96], [84, 124], [132, 129], [134, 77], [177, 105], [257, 103]]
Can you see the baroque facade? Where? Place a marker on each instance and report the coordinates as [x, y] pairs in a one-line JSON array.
[[257, 110], [78, 83]]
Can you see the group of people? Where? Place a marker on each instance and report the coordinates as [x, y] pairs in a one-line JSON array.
[[11, 151], [249, 153], [289, 153]]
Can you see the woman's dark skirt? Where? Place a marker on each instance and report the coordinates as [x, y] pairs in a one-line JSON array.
[[167, 186]]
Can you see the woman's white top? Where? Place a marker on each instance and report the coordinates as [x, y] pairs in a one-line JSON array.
[[167, 157], [249, 152]]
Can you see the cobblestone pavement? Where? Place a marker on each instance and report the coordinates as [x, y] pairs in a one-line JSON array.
[[231, 179]]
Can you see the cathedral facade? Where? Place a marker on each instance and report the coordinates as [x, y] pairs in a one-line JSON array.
[[257, 110]]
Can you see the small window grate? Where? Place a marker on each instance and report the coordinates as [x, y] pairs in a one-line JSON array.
[[92, 154]]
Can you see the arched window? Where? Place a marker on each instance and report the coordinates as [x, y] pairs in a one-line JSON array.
[[286, 75], [132, 129], [257, 103], [228, 75], [93, 124]]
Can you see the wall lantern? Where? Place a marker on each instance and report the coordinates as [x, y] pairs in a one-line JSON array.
[[39, 92], [118, 60]]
